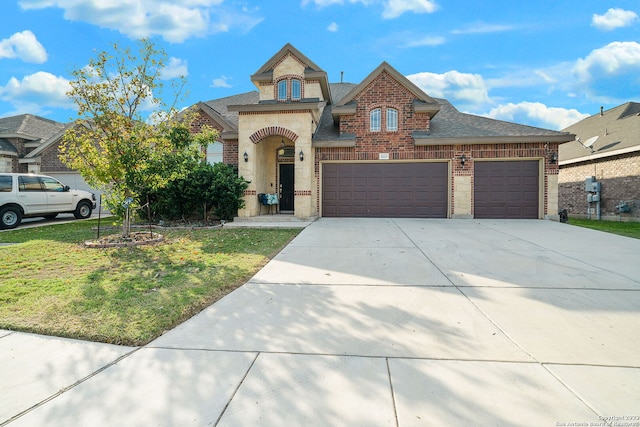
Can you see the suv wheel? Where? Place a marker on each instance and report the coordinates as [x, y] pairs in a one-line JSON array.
[[10, 217], [83, 210]]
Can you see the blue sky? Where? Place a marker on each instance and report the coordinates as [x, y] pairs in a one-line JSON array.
[[547, 63]]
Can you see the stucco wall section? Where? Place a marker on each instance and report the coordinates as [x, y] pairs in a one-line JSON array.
[[462, 197], [262, 170]]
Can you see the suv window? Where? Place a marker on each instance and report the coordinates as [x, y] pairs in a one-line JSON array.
[[51, 184], [29, 183], [5, 184]]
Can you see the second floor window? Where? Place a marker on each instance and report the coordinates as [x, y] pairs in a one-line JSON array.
[[282, 90], [296, 89], [392, 119], [374, 120]]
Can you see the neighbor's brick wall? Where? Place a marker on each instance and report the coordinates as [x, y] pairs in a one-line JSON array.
[[50, 160], [620, 180]]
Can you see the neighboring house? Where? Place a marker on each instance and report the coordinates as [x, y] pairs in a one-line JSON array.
[[380, 148], [613, 158], [29, 144]]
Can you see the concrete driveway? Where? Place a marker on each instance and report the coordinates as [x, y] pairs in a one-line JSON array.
[[372, 322]]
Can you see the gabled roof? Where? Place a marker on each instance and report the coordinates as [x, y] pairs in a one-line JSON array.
[[423, 103], [617, 129], [227, 126], [312, 70], [53, 139], [28, 126]]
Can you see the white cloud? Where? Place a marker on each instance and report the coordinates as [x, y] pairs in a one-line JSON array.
[[333, 27], [395, 8], [426, 41], [222, 81], [528, 112], [25, 46], [614, 18], [36, 92], [614, 59], [483, 28], [173, 20], [391, 8], [175, 68], [453, 85]]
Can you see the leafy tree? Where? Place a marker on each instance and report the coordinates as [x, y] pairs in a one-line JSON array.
[[116, 144]]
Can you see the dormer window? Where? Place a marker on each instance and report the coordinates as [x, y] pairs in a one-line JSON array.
[[282, 90], [289, 89], [296, 91]]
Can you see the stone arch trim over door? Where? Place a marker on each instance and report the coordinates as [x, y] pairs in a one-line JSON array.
[[273, 131]]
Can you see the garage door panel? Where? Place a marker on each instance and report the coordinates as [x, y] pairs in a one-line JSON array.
[[402, 190], [506, 189]]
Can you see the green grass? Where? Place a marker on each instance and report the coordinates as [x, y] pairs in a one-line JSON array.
[[51, 284], [628, 229]]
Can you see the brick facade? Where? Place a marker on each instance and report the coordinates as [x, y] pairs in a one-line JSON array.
[[620, 180], [401, 147]]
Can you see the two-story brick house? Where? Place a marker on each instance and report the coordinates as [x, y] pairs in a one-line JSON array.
[[380, 148]]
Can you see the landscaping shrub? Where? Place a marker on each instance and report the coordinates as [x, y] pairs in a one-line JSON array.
[[206, 191]]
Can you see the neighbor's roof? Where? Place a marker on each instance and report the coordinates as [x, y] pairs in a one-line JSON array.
[[28, 126], [617, 129]]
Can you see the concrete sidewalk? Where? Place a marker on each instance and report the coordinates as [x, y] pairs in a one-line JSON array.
[[372, 322]]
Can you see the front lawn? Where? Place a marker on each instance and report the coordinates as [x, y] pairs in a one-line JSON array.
[[629, 229], [50, 284]]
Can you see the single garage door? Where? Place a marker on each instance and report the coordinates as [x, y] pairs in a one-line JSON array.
[[385, 190], [506, 189]]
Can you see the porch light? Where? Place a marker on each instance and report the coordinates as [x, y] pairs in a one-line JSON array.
[[463, 159], [246, 157], [301, 156], [281, 150], [553, 158]]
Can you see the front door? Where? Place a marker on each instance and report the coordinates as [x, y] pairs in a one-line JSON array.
[[286, 186]]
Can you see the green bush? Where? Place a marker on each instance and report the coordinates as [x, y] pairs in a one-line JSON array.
[[206, 191]]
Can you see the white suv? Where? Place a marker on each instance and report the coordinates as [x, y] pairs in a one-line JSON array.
[[26, 195]]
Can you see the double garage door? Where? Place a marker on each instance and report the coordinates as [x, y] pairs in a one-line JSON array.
[[385, 190], [502, 189]]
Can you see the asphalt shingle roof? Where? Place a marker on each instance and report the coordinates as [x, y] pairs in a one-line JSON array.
[[448, 123], [617, 129], [30, 126]]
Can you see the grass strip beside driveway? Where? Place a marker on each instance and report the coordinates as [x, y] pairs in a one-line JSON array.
[[50, 284], [622, 228]]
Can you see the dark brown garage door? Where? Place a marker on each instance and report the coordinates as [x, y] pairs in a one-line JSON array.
[[506, 189], [385, 190]]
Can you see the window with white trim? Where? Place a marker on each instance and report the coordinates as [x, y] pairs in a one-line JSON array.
[[374, 120], [392, 119], [296, 89], [214, 153], [282, 90]]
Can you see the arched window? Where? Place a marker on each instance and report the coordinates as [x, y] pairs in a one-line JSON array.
[[282, 90], [392, 119], [214, 153], [374, 120], [296, 92]]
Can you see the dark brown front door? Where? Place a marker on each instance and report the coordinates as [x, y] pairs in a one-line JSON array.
[[286, 186], [385, 190], [506, 189]]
